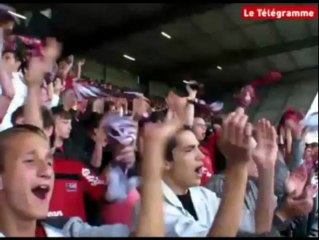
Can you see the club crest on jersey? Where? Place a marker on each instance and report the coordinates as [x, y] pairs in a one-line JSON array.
[[71, 187], [55, 214]]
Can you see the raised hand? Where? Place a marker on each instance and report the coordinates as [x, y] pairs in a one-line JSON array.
[[296, 182], [155, 137], [265, 156], [100, 137], [70, 60], [127, 155], [192, 88], [297, 129], [266, 152], [235, 137], [296, 207], [140, 106], [81, 62], [177, 105], [158, 133], [38, 67]]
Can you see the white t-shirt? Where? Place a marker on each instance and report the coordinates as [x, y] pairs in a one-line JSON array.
[[55, 100], [18, 100]]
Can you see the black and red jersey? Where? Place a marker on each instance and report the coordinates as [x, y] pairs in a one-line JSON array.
[[73, 180], [40, 231]]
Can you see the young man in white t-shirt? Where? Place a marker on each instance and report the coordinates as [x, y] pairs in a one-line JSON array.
[[19, 87], [193, 211]]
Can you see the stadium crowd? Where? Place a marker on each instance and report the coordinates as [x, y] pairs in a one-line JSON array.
[[85, 159]]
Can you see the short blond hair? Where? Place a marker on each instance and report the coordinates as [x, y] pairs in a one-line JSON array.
[[8, 135]]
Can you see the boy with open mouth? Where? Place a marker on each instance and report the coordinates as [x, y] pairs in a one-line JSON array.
[[26, 180]]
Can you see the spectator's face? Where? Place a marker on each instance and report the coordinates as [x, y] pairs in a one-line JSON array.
[[63, 127], [10, 61], [28, 178], [311, 151], [199, 128], [307, 153], [315, 152], [186, 168], [113, 109], [98, 105], [100, 133], [8, 58], [63, 65], [69, 98], [7, 27]]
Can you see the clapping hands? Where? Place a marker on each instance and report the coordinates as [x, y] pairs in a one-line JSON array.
[[235, 138], [266, 152], [300, 192], [296, 182], [296, 207]]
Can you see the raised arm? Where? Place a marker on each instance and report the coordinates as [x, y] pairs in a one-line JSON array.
[[265, 156], [79, 68], [235, 142], [151, 218], [4, 105], [50, 91], [97, 155], [190, 109], [32, 108], [140, 107], [34, 77], [67, 69], [178, 106], [6, 82], [297, 145]]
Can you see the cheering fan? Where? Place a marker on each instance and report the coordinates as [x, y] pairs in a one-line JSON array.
[[247, 94]]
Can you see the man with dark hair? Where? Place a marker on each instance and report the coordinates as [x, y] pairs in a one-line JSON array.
[[63, 127], [200, 128], [193, 211], [11, 59], [74, 179], [47, 117]]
